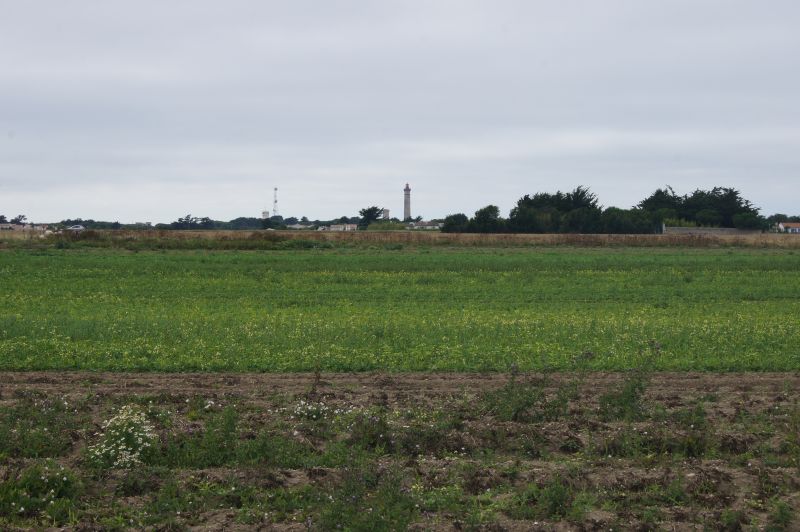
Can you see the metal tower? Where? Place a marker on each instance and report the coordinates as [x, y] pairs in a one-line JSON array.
[[275, 202]]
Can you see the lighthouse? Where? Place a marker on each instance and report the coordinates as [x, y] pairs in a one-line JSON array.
[[407, 203]]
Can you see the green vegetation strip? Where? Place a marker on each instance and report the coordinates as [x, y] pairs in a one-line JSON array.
[[352, 310]]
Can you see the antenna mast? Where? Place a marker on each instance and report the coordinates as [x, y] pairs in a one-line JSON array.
[[275, 202]]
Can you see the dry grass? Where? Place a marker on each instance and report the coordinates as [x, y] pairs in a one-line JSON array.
[[435, 238], [20, 235], [765, 240]]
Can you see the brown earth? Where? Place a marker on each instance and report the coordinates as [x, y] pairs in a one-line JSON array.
[[748, 415], [673, 389]]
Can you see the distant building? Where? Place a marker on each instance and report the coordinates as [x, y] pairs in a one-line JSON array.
[[385, 214], [339, 227], [425, 226], [265, 215], [789, 227]]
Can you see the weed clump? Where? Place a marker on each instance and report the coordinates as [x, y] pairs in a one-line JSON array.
[[528, 401], [555, 499], [781, 515], [370, 430], [36, 428], [125, 439], [44, 489], [627, 403]]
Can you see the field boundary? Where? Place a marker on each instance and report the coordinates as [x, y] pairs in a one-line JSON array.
[[266, 239]]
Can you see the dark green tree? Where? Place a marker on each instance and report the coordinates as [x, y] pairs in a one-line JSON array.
[[582, 198], [369, 215], [582, 220], [748, 220], [662, 198], [708, 217], [631, 221], [487, 220], [577, 211], [455, 223]]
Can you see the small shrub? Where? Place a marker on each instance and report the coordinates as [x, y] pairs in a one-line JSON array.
[[781, 515], [675, 492], [732, 520], [36, 428], [168, 503], [368, 499], [556, 499], [626, 403], [43, 488], [553, 500], [220, 438], [126, 437], [275, 450], [138, 482], [370, 430], [448, 498], [527, 401]]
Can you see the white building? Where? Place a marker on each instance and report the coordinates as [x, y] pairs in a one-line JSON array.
[[339, 227], [789, 227]]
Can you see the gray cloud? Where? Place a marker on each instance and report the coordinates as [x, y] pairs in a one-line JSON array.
[[149, 110]]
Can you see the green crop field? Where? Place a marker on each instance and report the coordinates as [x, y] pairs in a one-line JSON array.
[[442, 309]]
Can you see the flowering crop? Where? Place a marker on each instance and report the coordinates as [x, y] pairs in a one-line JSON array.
[[465, 310]]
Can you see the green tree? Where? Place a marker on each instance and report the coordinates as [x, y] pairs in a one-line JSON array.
[[582, 198], [575, 211], [487, 220], [632, 221], [748, 220], [187, 222], [662, 198], [369, 215], [581, 220], [455, 223], [708, 217]]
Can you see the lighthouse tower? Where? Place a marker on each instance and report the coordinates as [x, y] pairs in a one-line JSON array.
[[407, 203]]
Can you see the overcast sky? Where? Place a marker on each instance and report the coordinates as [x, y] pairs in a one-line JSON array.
[[149, 110]]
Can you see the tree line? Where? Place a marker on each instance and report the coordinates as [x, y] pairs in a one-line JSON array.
[[20, 219], [579, 211]]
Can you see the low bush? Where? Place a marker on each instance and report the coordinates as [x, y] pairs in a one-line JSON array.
[[37, 427], [125, 440], [528, 401], [43, 489]]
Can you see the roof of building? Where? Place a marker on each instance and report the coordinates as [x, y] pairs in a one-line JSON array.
[[790, 224]]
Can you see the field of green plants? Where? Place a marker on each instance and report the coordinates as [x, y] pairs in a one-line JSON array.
[[422, 309]]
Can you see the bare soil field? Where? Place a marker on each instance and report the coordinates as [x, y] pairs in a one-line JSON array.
[[441, 451]]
